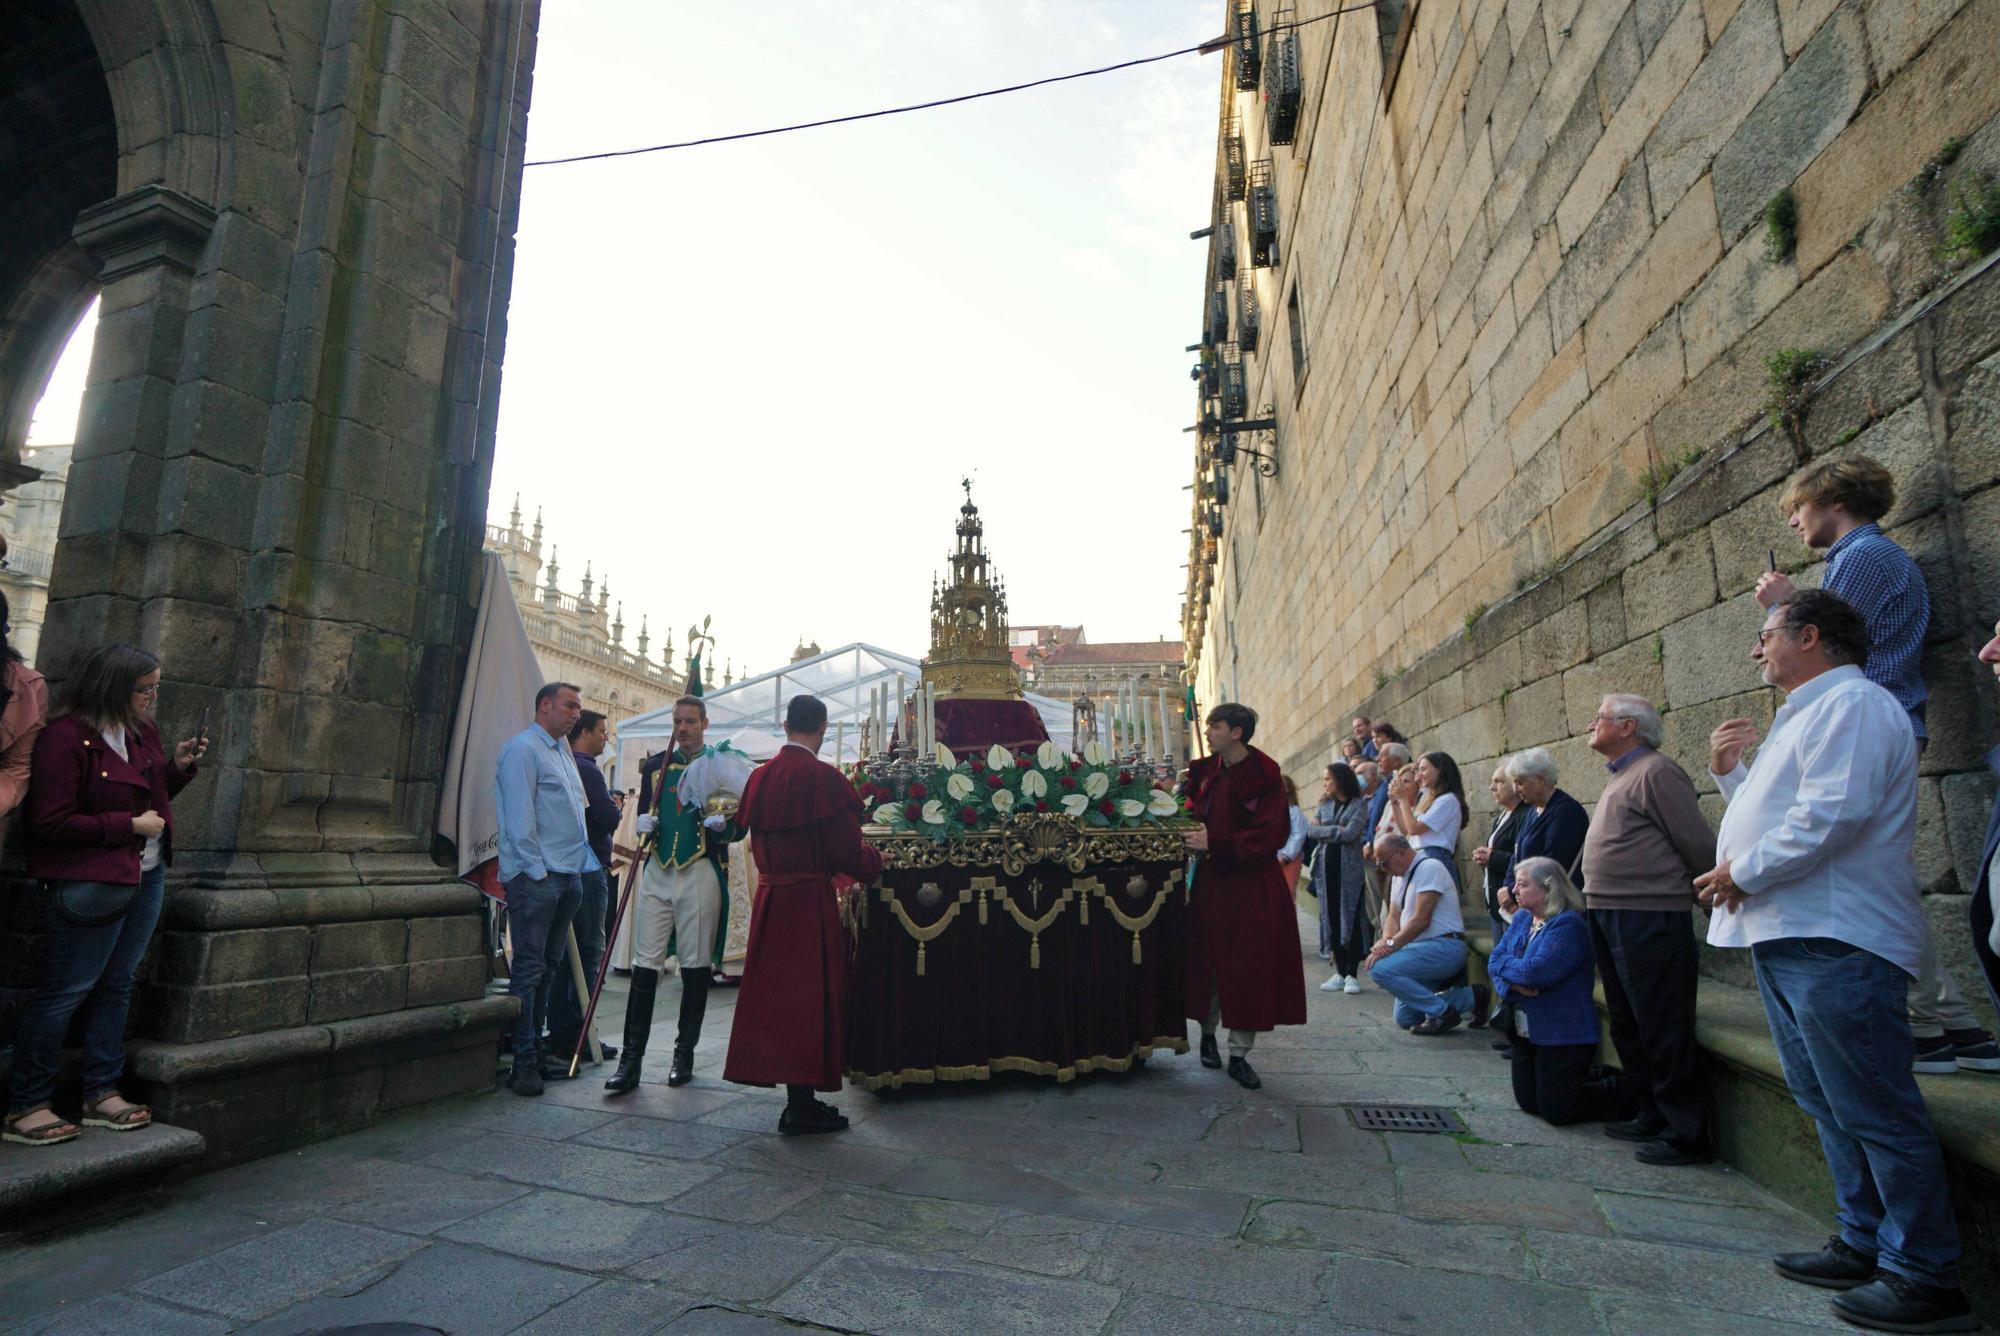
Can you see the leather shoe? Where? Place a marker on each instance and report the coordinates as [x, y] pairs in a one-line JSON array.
[[1663, 1151], [1635, 1129], [1241, 1072], [682, 1070], [626, 1078], [1481, 997], [1834, 1267], [1210, 1057], [1433, 1026], [525, 1079], [553, 1067], [808, 1119], [1896, 1303]]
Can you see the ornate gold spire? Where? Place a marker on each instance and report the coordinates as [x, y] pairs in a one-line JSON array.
[[969, 655]]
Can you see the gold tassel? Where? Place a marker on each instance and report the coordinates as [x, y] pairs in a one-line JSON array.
[[1135, 948], [982, 906], [1083, 908], [920, 960], [1035, 952]]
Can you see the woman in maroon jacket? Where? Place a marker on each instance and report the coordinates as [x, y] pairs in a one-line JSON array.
[[100, 835]]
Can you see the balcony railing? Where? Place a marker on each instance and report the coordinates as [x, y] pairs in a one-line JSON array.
[[1225, 240], [1234, 163], [1263, 215], [1218, 314], [1243, 30], [1235, 390], [1281, 81], [1247, 323], [29, 563]]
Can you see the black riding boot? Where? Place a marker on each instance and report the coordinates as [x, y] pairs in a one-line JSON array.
[[694, 1006], [638, 1024]]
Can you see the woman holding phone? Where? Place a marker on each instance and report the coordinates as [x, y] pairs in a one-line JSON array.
[[100, 834]]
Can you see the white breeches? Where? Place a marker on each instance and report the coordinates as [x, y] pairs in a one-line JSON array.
[[684, 903]]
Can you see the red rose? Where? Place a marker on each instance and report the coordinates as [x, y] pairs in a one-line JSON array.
[[1106, 808], [1041, 804], [1075, 764], [1067, 782], [1124, 776], [913, 811], [996, 781], [968, 816], [919, 792], [977, 765]]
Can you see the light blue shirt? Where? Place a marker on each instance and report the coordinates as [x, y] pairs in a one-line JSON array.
[[540, 804]]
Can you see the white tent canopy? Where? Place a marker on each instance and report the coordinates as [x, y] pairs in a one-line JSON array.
[[750, 714]]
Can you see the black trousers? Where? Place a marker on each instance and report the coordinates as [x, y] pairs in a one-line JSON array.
[[1647, 959], [1361, 935], [1554, 1082]]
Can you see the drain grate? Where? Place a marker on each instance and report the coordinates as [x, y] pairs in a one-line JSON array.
[[1404, 1118]]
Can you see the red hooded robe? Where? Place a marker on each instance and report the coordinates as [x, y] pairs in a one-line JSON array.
[[1244, 931], [804, 820]]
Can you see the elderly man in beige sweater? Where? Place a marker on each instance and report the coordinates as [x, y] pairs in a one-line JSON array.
[[1648, 841]]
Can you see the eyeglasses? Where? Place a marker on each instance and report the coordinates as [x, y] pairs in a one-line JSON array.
[[1764, 636], [151, 691]]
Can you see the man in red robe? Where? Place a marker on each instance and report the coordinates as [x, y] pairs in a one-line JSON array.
[[1244, 963], [804, 821]]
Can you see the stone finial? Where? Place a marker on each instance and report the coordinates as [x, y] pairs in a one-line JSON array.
[[618, 623], [549, 590], [537, 535], [643, 636], [586, 599], [514, 518]]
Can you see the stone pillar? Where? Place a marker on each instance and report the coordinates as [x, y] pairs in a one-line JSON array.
[[280, 485]]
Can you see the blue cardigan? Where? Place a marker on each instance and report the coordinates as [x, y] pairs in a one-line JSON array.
[[1558, 963]]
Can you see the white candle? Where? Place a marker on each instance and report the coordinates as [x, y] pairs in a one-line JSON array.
[[839, 741], [1146, 710], [1166, 729], [930, 709], [899, 709]]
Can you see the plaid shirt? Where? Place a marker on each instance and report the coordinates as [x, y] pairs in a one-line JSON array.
[[1885, 586]]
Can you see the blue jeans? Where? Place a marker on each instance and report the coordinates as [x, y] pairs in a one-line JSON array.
[[1413, 974], [559, 1001], [538, 917], [1839, 1018], [90, 969]]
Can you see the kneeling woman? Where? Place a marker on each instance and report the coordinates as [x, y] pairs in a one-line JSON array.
[[1543, 966]]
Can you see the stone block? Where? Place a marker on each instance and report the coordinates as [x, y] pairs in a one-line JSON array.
[[461, 1071], [1731, 298], [1947, 90], [1610, 241], [1800, 19], [1677, 580], [1708, 654], [1718, 485], [206, 958], [1675, 258], [345, 946], [435, 982], [443, 938], [1534, 714], [193, 1015], [1498, 670], [1555, 643], [340, 994], [1872, 388], [1956, 711], [1933, 848], [1687, 729], [1798, 118], [1972, 449], [1745, 60], [1605, 608], [1744, 539], [1898, 29], [1634, 668], [1967, 799]]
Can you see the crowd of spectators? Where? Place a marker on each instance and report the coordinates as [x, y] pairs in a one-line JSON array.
[[1812, 872]]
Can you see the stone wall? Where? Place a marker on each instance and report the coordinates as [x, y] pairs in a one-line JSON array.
[[1527, 461]]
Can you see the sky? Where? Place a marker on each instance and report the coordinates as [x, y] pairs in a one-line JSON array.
[[744, 380]]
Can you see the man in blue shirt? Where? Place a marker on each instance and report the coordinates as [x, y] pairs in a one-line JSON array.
[[1838, 504], [544, 854], [588, 738]]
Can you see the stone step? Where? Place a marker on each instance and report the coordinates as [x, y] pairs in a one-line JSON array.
[[36, 1176]]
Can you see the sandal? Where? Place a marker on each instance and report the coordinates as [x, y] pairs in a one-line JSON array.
[[52, 1133], [128, 1119]]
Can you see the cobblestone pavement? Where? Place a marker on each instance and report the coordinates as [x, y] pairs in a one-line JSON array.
[[1162, 1200]]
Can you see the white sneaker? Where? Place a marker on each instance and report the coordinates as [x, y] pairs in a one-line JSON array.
[[1332, 985], [1353, 985]]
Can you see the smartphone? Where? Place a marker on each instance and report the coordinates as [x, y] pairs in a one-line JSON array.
[[201, 727]]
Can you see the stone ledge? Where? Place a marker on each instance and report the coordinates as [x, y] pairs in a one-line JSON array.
[[171, 1064], [202, 909], [34, 1175]]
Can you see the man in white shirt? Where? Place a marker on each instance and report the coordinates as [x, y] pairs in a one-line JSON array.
[[1421, 955], [1815, 874]]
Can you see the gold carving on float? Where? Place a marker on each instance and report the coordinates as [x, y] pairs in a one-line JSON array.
[[924, 935], [970, 656], [984, 886], [1020, 842]]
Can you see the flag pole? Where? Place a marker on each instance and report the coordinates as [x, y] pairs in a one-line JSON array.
[[604, 966]]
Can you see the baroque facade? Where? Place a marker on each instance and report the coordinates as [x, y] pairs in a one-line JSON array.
[[580, 637], [33, 513]]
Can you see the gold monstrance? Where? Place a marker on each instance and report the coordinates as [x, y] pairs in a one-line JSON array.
[[970, 658]]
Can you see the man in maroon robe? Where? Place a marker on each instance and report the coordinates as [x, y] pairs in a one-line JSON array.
[[1245, 966], [804, 821]]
